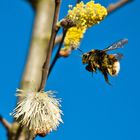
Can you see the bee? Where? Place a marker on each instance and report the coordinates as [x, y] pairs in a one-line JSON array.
[[105, 63]]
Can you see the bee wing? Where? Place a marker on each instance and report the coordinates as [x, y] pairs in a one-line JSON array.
[[118, 56], [118, 44]]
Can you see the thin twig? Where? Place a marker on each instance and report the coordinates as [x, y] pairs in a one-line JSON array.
[[57, 53], [115, 6], [5, 123], [78, 1], [58, 39], [51, 44], [19, 130]]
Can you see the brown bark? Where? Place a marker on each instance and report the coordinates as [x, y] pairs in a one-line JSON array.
[[39, 44], [36, 57]]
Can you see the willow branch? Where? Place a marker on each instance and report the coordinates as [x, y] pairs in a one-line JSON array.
[[32, 75], [57, 53], [44, 11], [111, 8], [18, 133], [78, 1], [58, 39], [51, 44], [5, 123], [115, 6]]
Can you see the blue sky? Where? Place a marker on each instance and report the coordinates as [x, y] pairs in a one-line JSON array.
[[92, 109]]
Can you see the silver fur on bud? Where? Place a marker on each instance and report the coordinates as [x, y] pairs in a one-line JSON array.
[[39, 111]]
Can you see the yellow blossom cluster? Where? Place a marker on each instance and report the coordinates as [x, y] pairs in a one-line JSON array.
[[77, 15], [94, 13], [83, 16], [87, 14], [73, 37]]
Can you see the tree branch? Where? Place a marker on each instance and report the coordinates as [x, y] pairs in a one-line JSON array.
[[78, 1], [58, 39], [51, 44], [32, 75], [33, 70], [57, 53], [18, 133], [115, 6], [5, 123]]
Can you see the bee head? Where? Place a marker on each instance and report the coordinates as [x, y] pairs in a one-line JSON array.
[[114, 69], [85, 57]]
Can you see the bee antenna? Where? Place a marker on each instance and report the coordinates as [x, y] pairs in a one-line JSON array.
[[80, 50]]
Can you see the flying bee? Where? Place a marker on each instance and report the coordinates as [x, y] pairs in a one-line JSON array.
[[105, 63]]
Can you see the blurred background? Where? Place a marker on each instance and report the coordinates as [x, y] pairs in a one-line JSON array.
[[92, 109]]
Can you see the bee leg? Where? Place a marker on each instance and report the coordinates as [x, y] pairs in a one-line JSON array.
[[92, 65], [95, 70], [88, 68], [106, 78]]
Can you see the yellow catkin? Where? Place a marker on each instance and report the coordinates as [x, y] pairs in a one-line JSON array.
[[73, 37], [94, 13], [87, 14], [83, 16]]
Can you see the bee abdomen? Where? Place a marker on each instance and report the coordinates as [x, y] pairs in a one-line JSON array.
[[114, 69]]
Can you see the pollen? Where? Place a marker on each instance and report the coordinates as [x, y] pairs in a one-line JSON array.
[[94, 13], [77, 15], [73, 37], [82, 16], [38, 111], [87, 14]]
